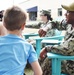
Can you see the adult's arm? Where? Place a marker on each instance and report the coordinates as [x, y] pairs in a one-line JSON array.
[[67, 48], [42, 31]]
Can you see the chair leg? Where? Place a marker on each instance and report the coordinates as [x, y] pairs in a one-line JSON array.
[[56, 67], [38, 47]]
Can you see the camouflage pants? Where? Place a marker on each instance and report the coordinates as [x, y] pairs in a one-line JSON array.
[[66, 67]]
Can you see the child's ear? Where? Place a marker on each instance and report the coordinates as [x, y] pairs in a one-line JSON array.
[[23, 26]]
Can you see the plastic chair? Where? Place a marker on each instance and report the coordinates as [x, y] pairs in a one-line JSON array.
[[56, 62], [27, 35], [57, 36], [38, 42]]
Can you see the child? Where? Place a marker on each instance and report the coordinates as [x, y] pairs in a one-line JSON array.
[[3, 30], [14, 51]]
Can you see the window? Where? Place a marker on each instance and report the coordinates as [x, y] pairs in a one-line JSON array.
[[59, 11], [32, 16]]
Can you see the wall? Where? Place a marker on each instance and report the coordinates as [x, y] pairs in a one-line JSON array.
[[46, 5]]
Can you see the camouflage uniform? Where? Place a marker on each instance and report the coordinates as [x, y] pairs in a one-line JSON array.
[[66, 48], [48, 28]]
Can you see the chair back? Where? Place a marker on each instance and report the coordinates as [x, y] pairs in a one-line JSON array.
[[57, 32]]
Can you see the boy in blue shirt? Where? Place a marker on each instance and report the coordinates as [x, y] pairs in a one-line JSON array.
[[14, 51]]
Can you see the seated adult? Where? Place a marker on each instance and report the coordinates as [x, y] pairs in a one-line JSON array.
[[46, 29], [66, 48]]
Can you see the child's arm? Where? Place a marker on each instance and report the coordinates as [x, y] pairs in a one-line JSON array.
[[36, 68], [33, 60]]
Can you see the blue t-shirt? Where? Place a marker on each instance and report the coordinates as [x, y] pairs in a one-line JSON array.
[[14, 53]]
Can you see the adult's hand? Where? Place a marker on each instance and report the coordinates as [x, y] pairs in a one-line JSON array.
[[43, 53], [42, 33]]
